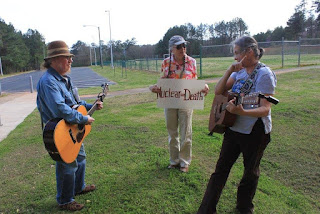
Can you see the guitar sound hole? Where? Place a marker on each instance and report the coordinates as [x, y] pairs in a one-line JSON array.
[[72, 138], [221, 108]]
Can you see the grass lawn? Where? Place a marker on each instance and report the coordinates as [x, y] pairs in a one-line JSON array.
[[216, 66], [127, 156]]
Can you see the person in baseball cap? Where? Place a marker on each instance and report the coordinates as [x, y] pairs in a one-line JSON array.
[[179, 66]]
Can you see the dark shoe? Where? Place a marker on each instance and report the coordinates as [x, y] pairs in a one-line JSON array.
[[174, 166], [88, 188], [73, 206], [184, 169]]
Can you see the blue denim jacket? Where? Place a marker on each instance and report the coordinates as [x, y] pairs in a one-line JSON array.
[[55, 100]]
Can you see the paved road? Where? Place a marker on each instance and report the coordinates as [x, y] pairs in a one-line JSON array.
[[82, 77]]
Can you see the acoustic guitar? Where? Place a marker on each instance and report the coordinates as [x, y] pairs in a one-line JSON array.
[[63, 140], [220, 118]]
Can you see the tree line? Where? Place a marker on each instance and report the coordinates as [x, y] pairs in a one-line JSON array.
[[22, 52], [302, 23]]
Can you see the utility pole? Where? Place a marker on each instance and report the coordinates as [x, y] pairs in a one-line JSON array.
[[108, 11], [101, 62]]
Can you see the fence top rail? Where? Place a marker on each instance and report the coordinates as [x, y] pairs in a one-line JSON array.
[[210, 46], [285, 41], [269, 42]]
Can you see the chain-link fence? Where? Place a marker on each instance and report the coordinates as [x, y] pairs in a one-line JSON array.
[[278, 54], [215, 59], [147, 64]]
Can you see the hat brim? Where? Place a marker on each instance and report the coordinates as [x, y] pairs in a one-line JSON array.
[[62, 54], [180, 42]]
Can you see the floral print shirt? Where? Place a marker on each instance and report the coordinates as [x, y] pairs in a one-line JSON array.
[[190, 71]]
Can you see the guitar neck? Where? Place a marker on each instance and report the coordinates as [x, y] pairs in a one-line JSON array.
[[93, 108], [101, 97]]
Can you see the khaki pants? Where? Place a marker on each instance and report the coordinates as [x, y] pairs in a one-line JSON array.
[[180, 149]]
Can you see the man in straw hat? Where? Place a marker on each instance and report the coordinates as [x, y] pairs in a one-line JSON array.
[[56, 96]]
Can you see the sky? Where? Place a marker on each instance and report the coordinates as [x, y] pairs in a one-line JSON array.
[[145, 20]]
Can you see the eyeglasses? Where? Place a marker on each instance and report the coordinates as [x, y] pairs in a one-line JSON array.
[[178, 47], [68, 57]]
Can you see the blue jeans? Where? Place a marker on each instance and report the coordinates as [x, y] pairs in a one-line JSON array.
[[70, 178]]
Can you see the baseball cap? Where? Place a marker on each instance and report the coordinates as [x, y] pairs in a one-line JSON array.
[[176, 40]]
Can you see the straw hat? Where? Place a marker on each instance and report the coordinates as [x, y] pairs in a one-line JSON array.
[[58, 48]]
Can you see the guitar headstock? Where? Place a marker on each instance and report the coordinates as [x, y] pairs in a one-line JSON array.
[[105, 89]]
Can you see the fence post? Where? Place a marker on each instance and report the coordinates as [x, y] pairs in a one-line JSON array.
[[282, 51], [125, 67], [200, 61], [122, 68], [1, 67], [31, 84], [299, 51], [0, 121]]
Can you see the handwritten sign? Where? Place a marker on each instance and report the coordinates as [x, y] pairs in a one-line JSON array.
[[180, 93]]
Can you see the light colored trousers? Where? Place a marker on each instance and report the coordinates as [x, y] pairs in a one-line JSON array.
[[179, 120]]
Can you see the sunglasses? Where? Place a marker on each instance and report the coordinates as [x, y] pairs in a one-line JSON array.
[[181, 46]]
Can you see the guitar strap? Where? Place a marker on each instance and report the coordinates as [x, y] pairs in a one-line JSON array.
[[70, 88], [246, 87]]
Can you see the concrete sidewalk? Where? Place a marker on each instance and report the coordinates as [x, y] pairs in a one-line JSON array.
[[14, 108]]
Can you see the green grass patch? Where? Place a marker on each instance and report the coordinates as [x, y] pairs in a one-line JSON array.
[[129, 79], [216, 66], [127, 156]]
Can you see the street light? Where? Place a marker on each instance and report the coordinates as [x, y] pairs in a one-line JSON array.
[[101, 63], [90, 55], [108, 11], [95, 54]]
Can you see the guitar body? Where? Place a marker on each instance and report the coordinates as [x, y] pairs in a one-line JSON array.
[[63, 140], [220, 118]]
